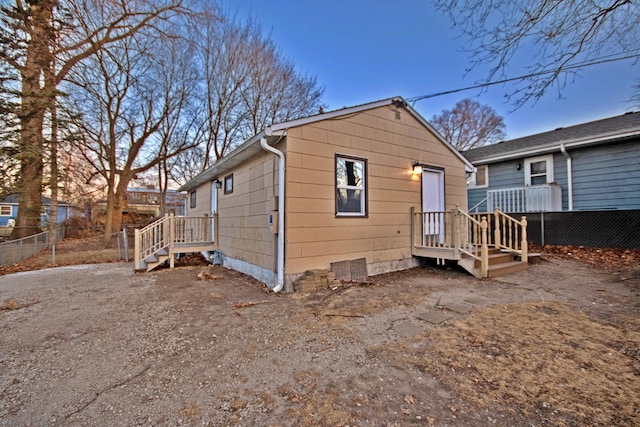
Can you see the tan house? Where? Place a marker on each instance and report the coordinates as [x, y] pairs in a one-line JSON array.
[[352, 178]]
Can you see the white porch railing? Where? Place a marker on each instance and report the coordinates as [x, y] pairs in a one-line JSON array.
[[535, 198], [171, 232]]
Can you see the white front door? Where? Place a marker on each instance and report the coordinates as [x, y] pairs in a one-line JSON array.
[[433, 202]]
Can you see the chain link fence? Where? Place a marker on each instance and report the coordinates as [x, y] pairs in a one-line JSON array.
[[19, 249], [88, 246], [595, 229]]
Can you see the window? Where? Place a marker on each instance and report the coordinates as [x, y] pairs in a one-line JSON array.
[[228, 184], [5, 210], [192, 199], [538, 170], [351, 187], [479, 178]]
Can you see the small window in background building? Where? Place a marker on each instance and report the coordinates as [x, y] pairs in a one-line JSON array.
[[480, 178], [5, 210]]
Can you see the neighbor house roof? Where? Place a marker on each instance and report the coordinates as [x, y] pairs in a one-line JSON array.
[[590, 133], [12, 199], [276, 132]]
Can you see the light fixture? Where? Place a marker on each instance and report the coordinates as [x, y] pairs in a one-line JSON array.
[[417, 168], [218, 184]]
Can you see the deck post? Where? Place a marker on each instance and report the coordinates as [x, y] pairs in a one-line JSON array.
[[214, 237], [484, 261], [136, 249], [172, 238], [524, 244], [413, 231], [206, 228], [496, 228], [455, 229]]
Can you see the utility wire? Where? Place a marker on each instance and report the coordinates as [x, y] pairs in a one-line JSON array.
[[601, 60]]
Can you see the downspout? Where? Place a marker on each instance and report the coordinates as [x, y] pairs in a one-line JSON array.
[[563, 149], [280, 268]]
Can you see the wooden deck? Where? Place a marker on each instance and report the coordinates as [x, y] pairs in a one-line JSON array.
[[171, 235], [483, 244]]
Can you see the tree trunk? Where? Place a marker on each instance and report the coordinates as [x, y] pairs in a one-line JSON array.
[[53, 180], [108, 215], [34, 101]]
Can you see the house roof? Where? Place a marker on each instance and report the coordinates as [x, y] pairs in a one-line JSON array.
[[276, 132], [596, 132], [12, 199]]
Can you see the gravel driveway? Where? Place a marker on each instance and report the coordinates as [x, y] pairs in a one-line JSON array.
[[99, 345]]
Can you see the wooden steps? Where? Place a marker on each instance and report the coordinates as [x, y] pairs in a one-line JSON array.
[[154, 260], [500, 264]]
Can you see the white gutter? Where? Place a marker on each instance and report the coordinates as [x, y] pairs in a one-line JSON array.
[[280, 268], [563, 149]]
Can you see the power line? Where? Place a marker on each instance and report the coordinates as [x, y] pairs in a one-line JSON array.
[[600, 60]]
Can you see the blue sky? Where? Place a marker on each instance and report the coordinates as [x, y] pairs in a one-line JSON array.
[[365, 50]]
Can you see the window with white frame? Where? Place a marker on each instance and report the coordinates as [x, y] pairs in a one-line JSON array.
[[5, 210], [351, 197], [479, 178], [538, 170]]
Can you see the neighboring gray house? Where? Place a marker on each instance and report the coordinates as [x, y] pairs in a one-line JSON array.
[[590, 166]]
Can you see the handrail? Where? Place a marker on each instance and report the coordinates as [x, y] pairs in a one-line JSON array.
[[477, 205], [476, 243], [510, 234]]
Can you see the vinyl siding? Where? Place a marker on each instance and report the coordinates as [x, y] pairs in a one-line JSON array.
[[607, 177], [315, 236]]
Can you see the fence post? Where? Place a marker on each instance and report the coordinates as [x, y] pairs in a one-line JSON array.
[[125, 240], [524, 244], [484, 262], [541, 228]]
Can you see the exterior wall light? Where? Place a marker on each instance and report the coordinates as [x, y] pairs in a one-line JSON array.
[[417, 168], [218, 184]]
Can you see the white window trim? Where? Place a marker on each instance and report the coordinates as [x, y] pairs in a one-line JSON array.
[[363, 201], [527, 168], [471, 182]]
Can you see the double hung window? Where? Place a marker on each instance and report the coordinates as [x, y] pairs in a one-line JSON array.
[[351, 197]]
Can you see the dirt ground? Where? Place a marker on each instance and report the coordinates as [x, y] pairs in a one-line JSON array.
[[98, 344]]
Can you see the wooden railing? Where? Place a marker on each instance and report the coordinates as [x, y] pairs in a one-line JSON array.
[[170, 232], [508, 233], [450, 234]]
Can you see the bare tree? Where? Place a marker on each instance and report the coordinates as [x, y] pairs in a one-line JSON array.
[[469, 124], [126, 95], [32, 35], [245, 86], [560, 37], [274, 91]]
